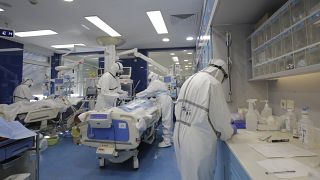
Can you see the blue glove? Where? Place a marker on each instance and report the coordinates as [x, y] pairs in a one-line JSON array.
[[234, 127]]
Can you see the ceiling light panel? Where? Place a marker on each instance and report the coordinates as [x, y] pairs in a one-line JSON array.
[[165, 39], [1, 10], [172, 54], [35, 33], [190, 38], [103, 26], [175, 59], [66, 46], [189, 53], [157, 22], [186, 60]]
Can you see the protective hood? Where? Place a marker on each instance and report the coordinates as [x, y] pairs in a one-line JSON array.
[[218, 69], [27, 81], [116, 68], [153, 76]]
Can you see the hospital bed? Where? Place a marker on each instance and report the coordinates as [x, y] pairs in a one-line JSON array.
[[59, 110], [118, 131]]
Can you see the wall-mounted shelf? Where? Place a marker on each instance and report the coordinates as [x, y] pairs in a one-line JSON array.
[[289, 42], [291, 72]]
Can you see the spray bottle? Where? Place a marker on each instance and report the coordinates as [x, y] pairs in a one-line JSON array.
[[305, 128], [251, 116], [267, 111]]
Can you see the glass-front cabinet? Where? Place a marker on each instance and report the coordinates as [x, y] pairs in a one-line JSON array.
[[288, 40]]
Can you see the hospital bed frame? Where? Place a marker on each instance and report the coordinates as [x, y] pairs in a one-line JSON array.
[[40, 115], [116, 151]]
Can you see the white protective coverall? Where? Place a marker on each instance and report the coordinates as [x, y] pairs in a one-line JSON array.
[[110, 89], [23, 92], [201, 111], [159, 89]]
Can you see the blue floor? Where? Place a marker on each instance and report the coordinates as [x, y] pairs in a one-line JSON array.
[[66, 161]]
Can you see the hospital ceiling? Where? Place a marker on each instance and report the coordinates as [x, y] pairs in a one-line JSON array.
[[238, 12], [165, 59], [128, 17]]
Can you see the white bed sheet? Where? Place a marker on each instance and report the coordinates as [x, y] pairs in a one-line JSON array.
[[9, 112]]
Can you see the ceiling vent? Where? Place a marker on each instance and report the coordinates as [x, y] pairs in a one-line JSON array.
[[184, 19]]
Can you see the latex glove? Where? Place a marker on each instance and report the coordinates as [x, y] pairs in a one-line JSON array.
[[140, 95], [234, 127], [123, 92], [36, 98]]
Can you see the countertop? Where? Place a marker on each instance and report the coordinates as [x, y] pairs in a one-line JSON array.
[[248, 157]]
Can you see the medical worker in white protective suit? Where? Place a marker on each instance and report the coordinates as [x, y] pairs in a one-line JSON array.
[[109, 88], [159, 89], [202, 117], [23, 92]]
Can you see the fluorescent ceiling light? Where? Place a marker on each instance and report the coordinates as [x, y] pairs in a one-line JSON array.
[[190, 38], [177, 63], [1, 9], [186, 60], [175, 59], [66, 46], [103, 26], [68, 0], [86, 27], [165, 39], [172, 54], [150, 65], [35, 33], [157, 22], [190, 63], [189, 53], [184, 50]]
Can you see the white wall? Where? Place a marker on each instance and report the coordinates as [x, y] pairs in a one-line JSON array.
[[241, 69], [303, 89]]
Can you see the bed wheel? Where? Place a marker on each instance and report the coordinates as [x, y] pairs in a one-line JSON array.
[[101, 162], [135, 162]]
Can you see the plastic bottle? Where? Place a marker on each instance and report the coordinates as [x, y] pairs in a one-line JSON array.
[[305, 125], [267, 111], [291, 122], [251, 116]]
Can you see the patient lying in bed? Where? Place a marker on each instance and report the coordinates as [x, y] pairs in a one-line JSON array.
[[9, 112]]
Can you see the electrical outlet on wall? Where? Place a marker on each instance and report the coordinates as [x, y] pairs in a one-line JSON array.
[[283, 104], [290, 104]]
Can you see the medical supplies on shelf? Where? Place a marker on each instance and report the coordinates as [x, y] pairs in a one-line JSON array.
[[287, 41]]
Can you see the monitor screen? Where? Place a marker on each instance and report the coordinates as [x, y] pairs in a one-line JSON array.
[[167, 79], [128, 88], [126, 71]]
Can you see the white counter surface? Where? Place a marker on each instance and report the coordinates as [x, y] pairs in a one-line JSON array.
[[248, 157]]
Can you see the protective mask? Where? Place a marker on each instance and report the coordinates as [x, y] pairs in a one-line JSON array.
[[118, 74]]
